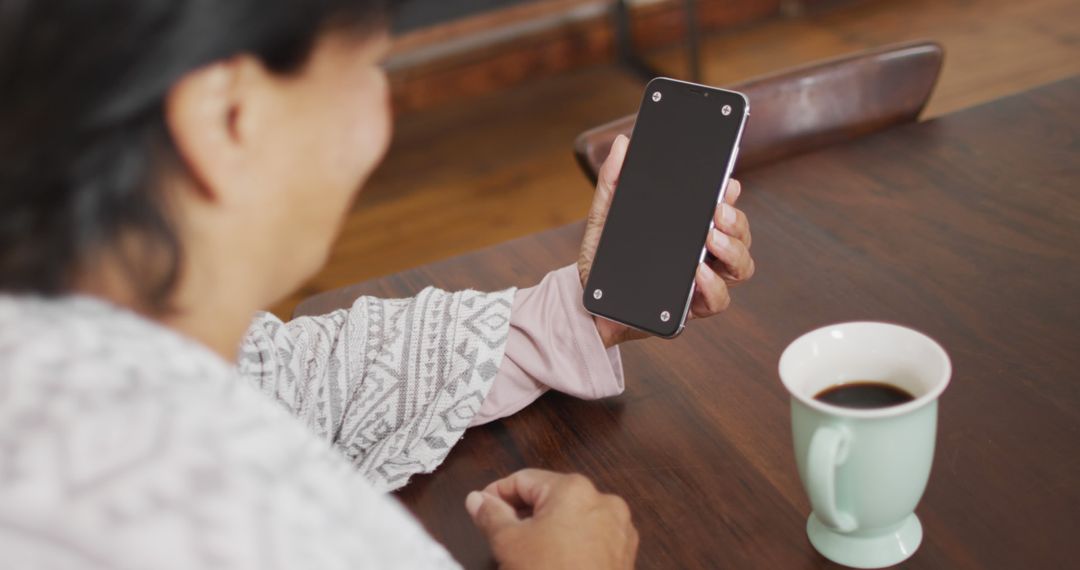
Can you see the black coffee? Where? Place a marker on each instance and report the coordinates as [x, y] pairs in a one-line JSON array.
[[864, 394]]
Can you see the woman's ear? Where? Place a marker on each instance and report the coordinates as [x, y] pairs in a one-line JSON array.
[[211, 116]]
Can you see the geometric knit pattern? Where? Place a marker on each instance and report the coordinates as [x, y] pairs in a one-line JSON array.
[[391, 383], [126, 445]]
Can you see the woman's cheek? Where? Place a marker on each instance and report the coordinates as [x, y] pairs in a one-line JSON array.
[[360, 147]]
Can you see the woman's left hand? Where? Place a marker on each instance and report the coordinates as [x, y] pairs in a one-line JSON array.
[[729, 242]]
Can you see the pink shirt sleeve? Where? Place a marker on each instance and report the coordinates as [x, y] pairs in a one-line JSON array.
[[553, 344]]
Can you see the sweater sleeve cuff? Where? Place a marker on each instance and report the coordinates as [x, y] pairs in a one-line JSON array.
[[553, 344], [602, 367]]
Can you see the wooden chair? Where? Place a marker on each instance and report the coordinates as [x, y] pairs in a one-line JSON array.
[[811, 106]]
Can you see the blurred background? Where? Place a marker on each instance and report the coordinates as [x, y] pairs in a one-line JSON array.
[[490, 95]]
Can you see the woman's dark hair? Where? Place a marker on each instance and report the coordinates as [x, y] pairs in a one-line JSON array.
[[83, 141]]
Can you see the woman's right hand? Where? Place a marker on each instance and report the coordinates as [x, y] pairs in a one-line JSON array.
[[541, 519]]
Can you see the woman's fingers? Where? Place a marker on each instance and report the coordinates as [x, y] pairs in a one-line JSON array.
[[490, 513], [733, 222], [729, 243], [711, 295], [524, 488], [570, 524], [734, 190], [733, 260]]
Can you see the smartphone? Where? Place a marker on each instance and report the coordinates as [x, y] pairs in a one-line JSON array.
[[681, 153]]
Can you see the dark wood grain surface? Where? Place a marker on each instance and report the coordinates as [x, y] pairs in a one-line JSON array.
[[966, 227]]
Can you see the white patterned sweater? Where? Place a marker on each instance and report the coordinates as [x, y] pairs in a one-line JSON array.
[[125, 445]]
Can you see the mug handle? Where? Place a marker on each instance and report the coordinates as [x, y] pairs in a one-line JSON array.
[[828, 450]]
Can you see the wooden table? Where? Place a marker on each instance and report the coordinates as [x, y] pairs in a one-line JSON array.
[[965, 227]]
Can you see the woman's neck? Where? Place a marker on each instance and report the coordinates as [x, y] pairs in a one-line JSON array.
[[215, 315]]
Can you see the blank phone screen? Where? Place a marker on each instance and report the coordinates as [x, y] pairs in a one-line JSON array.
[[672, 178]]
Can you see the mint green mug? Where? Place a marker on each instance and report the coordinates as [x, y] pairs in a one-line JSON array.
[[864, 469]]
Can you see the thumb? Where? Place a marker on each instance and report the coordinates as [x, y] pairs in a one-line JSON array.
[[605, 191], [608, 176], [490, 513]]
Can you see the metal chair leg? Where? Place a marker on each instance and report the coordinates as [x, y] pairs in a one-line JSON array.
[[629, 56], [693, 42]]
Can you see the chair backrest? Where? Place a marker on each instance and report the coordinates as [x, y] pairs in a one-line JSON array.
[[812, 106]]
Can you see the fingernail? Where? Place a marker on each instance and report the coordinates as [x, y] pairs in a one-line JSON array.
[[728, 215], [720, 239], [473, 501]]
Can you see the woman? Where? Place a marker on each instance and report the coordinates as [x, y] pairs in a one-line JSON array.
[[166, 169]]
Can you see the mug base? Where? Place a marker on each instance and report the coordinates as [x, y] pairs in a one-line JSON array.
[[879, 551]]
